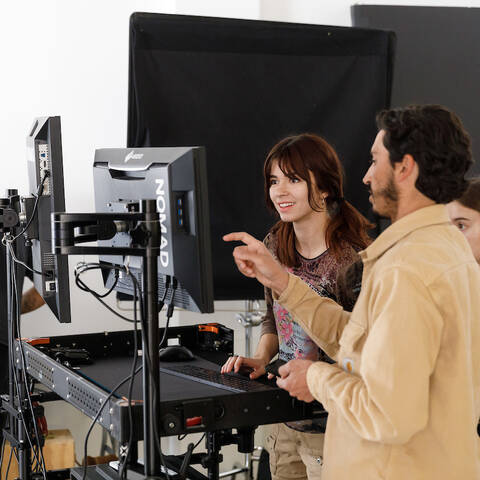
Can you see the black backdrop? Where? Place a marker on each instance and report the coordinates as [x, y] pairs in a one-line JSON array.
[[437, 57], [239, 86]]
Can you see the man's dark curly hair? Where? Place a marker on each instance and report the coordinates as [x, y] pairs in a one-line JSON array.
[[436, 139]]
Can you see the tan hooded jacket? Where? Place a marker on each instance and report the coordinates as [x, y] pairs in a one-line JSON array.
[[404, 397]]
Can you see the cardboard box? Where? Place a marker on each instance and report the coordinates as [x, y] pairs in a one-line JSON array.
[[58, 452]]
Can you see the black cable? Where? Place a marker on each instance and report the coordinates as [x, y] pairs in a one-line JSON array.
[[156, 392], [182, 437], [112, 288], [122, 469], [198, 443], [32, 385], [7, 242], [135, 370], [36, 466], [165, 330], [14, 300], [164, 337], [84, 267], [171, 306], [94, 421], [92, 266], [8, 239], [25, 379], [83, 286], [11, 340], [167, 287], [35, 205], [17, 388]]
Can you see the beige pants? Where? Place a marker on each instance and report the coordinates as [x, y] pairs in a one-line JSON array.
[[294, 455]]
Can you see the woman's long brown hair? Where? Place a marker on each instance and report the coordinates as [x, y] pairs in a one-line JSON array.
[[297, 156]]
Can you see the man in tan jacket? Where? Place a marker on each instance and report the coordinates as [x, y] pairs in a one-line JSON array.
[[404, 396]]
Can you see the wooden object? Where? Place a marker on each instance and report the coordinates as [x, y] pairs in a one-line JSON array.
[[59, 452]]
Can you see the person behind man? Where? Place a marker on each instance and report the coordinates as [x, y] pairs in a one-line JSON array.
[[465, 214], [404, 396]]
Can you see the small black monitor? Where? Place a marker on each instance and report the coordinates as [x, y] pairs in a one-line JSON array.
[[176, 178], [45, 165]]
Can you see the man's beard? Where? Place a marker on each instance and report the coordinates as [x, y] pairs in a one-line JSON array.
[[389, 206]]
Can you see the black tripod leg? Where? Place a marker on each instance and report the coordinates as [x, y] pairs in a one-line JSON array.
[[214, 457]]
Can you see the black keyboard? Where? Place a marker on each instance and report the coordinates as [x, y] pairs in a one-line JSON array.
[[232, 382]]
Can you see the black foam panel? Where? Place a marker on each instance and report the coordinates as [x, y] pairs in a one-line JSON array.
[[239, 86], [437, 57]]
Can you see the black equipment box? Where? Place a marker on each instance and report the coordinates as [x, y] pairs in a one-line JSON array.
[[84, 369]]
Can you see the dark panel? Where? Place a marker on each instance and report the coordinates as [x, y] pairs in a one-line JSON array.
[[237, 87], [437, 58], [3, 300]]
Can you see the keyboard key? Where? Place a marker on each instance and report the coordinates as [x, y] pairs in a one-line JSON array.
[[228, 381]]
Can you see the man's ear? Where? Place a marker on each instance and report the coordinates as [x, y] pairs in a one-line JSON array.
[[406, 168]]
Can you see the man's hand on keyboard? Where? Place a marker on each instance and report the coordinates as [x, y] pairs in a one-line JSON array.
[[254, 366]]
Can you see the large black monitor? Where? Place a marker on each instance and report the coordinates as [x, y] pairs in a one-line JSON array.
[[176, 179], [45, 171]]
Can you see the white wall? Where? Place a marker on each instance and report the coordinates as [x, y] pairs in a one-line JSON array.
[[336, 12], [70, 58]]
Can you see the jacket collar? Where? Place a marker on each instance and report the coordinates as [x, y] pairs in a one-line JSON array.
[[423, 217]]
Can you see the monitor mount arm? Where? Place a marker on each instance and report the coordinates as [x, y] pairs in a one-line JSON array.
[[10, 211], [71, 229], [9, 218]]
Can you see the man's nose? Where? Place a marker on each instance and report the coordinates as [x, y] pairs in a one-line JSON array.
[[366, 178]]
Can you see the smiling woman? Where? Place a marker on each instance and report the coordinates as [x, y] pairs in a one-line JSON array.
[[311, 164], [318, 234], [465, 214]]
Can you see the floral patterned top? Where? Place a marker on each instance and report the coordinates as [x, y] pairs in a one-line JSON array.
[[320, 274]]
